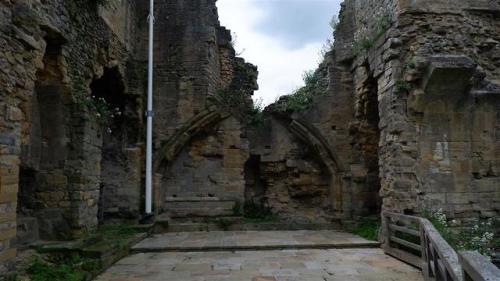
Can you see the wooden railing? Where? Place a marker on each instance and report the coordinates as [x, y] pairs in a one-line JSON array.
[[416, 241]]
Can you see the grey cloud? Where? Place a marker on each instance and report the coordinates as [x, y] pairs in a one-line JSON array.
[[297, 22]]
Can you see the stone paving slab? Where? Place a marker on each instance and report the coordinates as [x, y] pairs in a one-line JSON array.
[[251, 240], [277, 265]]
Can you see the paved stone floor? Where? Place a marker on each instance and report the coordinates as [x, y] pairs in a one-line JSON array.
[[277, 265], [331, 256], [262, 240]]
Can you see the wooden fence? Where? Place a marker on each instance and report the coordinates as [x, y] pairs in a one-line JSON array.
[[416, 241]]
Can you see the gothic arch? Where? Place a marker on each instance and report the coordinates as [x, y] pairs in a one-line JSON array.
[[193, 127], [336, 169]]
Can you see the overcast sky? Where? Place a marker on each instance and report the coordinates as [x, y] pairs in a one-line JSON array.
[[282, 37]]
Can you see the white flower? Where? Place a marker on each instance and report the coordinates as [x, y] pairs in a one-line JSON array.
[[98, 115]]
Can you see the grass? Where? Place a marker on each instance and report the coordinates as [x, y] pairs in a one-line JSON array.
[[80, 265], [72, 269], [365, 228]]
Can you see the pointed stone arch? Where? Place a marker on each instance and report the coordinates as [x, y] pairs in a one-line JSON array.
[[192, 128], [312, 137]]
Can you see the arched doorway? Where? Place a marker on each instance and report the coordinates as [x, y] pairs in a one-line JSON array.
[[120, 174]]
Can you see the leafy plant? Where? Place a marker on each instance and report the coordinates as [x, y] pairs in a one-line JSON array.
[[365, 228]]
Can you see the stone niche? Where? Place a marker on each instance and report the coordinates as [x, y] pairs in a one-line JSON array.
[[206, 177], [43, 186], [287, 175]]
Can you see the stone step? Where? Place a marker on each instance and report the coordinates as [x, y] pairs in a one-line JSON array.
[[251, 241], [164, 224], [198, 207]]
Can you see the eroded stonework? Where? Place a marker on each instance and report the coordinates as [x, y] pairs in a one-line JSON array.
[[404, 117]]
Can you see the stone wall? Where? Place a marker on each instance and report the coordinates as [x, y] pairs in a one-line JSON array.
[[453, 102], [51, 135], [436, 88], [285, 174], [195, 63]]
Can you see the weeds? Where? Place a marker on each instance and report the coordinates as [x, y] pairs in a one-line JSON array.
[[240, 105], [73, 269], [366, 43], [303, 97], [258, 213], [403, 86], [365, 228]]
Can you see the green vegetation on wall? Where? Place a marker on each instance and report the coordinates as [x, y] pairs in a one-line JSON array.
[[368, 41], [302, 98], [239, 104]]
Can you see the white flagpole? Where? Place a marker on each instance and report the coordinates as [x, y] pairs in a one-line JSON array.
[[149, 115]]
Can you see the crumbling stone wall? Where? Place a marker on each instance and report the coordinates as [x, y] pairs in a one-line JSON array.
[[286, 175], [51, 139], [454, 78], [195, 63], [436, 89]]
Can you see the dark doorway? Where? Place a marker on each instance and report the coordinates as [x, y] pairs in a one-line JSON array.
[[119, 133], [255, 189]]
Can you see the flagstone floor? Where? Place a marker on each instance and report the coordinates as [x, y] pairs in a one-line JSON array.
[[347, 264]]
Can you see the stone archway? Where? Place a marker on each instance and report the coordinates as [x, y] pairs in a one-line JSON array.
[[120, 174], [201, 167], [192, 128], [336, 169]]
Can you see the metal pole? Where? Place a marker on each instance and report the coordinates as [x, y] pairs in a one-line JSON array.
[[149, 115]]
